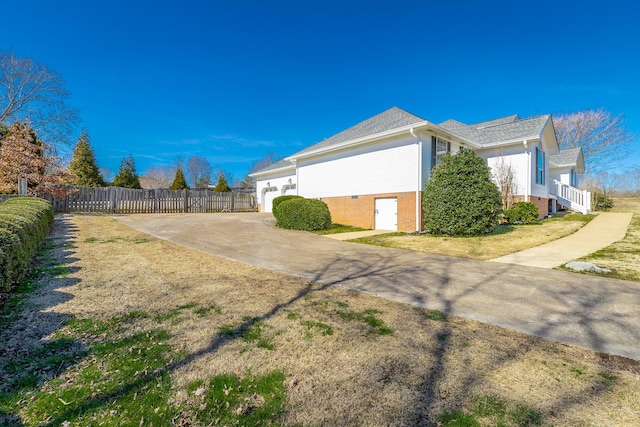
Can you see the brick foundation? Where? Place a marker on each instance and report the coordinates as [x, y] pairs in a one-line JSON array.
[[360, 211], [541, 202]]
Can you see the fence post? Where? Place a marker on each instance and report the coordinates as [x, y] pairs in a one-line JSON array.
[[185, 199], [233, 201]]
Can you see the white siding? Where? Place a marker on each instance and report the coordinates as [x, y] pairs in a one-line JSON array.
[[386, 167], [427, 147], [539, 190], [513, 156], [276, 183], [562, 174]]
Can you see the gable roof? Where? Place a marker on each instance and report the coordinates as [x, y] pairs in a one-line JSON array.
[[502, 130], [569, 157], [388, 120], [490, 133]]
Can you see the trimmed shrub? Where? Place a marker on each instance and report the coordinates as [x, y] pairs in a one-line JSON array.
[[522, 213], [281, 199], [460, 198], [303, 214], [24, 224]]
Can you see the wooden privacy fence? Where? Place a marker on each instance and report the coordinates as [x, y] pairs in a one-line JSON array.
[[129, 201]]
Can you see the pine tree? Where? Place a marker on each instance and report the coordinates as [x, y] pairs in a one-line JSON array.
[[83, 164], [127, 176], [222, 186], [179, 182]]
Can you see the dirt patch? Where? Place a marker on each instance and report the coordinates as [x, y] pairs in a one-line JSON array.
[[342, 366]]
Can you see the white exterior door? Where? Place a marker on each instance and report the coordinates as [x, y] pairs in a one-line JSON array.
[[387, 214], [268, 200]]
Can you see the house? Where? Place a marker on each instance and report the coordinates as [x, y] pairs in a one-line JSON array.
[[372, 174]]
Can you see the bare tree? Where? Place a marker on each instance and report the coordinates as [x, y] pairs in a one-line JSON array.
[[504, 175], [268, 159], [199, 171], [34, 93], [158, 177], [602, 136]]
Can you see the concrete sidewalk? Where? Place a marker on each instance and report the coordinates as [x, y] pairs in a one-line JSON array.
[[356, 234], [604, 230]]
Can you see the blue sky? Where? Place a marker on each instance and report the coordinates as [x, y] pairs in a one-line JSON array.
[[231, 80]]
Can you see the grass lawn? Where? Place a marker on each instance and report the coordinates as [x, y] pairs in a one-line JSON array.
[[623, 257], [339, 228], [506, 239], [119, 328]]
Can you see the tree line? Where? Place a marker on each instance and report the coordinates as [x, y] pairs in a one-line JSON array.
[[35, 120]]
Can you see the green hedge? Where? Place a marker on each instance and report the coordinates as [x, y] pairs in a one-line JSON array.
[[281, 199], [303, 214], [522, 213], [24, 224]]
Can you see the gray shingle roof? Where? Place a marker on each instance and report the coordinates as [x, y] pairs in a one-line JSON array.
[[504, 129], [499, 130], [567, 156], [277, 165], [393, 118]]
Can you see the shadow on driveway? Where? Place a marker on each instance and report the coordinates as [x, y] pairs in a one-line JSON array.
[[600, 314]]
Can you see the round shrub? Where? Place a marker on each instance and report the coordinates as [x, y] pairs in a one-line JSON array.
[[303, 214], [460, 198], [281, 199], [522, 213]]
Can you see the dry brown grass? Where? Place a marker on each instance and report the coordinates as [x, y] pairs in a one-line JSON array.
[[507, 241], [353, 377]]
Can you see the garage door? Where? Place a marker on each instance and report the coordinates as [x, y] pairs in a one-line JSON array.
[[387, 214], [267, 200]]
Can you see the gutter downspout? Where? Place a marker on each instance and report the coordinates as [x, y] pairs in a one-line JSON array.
[[297, 180], [419, 173], [526, 190]]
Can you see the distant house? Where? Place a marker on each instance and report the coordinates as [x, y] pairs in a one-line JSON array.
[[372, 174]]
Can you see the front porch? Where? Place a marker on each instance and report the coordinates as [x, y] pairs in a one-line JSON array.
[[570, 197]]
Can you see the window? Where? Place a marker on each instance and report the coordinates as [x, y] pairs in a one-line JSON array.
[[438, 148], [539, 166], [573, 179]]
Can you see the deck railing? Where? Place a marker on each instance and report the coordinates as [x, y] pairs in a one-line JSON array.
[[572, 197]]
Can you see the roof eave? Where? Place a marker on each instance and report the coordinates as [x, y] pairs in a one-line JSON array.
[[381, 135], [271, 171]]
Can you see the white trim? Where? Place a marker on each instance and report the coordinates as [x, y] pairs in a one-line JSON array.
[[381, 135]]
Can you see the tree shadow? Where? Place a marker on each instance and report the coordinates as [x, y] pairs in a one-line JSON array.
[[434, 282]]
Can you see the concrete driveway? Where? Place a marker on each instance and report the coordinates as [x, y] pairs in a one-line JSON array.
[[586, 311]]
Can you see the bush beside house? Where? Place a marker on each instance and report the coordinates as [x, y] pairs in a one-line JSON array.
[[522, 213], [24, 224], [460, 198], [281, 199], [302, 214]]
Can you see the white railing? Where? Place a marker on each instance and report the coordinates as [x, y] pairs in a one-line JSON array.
[[571, 197]]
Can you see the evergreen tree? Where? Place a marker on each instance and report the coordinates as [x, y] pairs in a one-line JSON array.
[[460, 198], [127, 176], [179, 182], [83, 164], [222, 186]]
